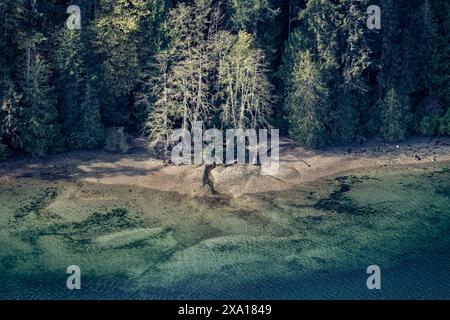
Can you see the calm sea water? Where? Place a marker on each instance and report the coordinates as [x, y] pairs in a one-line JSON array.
[[314, 242]]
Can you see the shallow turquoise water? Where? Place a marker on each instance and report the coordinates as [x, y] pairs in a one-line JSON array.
[[314, 242]]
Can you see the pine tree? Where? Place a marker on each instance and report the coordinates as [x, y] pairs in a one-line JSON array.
[[91, 133], [437, 71], [70, 84], [16, 42], [159, 99], [440, 82], [12, 118], [355, 50], [154, 37], [39, 110], [421, 44], [390, 64], [299, 40], [394, 116], [349, 88], [154, 40], [257, 17], [117, 40], [307, 102], [394, 102], [321, 18], [334, 31], [3, 49], [427, 39]]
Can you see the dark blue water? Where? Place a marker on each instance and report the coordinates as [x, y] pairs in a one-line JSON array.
[[425, 278]]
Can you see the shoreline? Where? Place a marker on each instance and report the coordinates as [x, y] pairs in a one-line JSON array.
[[298, 166]]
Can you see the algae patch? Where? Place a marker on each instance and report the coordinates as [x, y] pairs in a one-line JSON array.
[[338, 202], [36, 204]]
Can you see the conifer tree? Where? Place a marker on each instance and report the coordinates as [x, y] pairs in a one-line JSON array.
[[307, 102], [160, 100], [394, 103], [394, 116], [12, 118], [117, 40], [437, 79], [40, 127], [154, 39], [91, 132], [299, 41], [390, 64], [427, 45], [349, 88], [257, 17], [70, 83]]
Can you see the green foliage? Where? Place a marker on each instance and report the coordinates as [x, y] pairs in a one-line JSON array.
[[116, 27], [158, 98], [257, 17], [429, 125], [116, 140], [390, 64], [70, 84], [159, 65], [40, 128], [206, 74], [335, 32], [394, 116], [441, 58], [117, 33], [79, 107], [4, 150], [434, 125], [306, 102], [299, 41], [154, 40], [245, 87], [11, 113], [90, 133], [444, 127]]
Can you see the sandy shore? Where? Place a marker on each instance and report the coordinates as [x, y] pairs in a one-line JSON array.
[[297, 166]]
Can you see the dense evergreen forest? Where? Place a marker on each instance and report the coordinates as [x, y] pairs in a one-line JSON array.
[[311, 68]]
